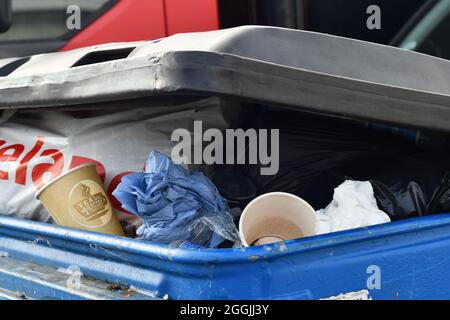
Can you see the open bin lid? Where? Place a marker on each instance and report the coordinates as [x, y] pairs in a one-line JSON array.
[[298, 69]]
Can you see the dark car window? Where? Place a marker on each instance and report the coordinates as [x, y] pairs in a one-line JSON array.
[[430, 35], [438, 41], [48, 19]]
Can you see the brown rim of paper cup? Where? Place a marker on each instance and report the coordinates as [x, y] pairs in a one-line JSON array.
[[38, 193]]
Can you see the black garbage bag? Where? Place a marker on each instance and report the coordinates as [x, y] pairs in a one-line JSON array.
[[440, 203], [316, 154], [432, 142], [414, 186]]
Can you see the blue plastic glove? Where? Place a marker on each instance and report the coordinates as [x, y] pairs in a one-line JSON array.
[[176, 204]]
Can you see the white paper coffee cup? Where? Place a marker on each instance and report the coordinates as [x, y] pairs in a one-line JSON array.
[[275, 217]]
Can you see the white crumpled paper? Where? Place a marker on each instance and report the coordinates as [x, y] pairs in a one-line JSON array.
[[353, 206]]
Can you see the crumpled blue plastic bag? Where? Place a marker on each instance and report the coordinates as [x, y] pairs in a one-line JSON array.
[[176, 204]]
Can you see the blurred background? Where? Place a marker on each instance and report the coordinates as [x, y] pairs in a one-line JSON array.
[[31, 26]]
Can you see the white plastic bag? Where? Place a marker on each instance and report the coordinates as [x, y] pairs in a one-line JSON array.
[[353, 206]]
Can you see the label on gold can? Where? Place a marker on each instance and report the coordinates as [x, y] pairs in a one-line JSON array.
[[89, 204]]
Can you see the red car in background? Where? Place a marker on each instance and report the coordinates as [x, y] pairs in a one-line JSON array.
[[42, 26]]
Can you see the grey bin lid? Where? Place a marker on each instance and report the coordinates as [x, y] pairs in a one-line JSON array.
[[297, 69]]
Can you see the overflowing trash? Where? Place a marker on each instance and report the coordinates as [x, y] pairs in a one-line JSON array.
[[176, 204], [359, 173], [353, 206]]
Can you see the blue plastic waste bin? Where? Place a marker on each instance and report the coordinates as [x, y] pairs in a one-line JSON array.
[[272, 66]]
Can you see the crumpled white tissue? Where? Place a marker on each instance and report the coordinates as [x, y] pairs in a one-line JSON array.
[[353, 206]]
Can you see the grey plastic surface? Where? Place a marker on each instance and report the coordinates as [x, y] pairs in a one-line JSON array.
[[293, 68]]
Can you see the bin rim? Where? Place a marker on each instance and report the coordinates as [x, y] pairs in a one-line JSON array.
[[31, 230]]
